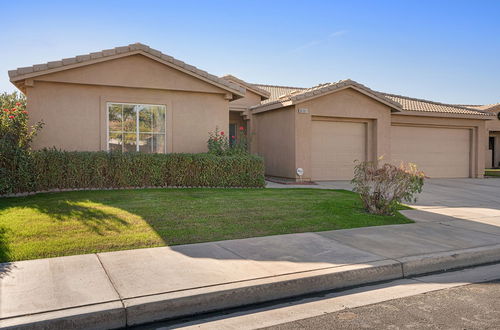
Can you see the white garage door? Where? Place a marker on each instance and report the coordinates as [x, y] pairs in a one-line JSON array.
[[334, 148], [439, 152]]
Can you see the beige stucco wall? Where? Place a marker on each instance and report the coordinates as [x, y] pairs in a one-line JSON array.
[[72, 103], [250, 99], [273, 137], [242, 116], [344, 105], [288, 131], [132, 71], [494, 124]]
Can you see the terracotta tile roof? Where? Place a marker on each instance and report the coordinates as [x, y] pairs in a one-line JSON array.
[[39, 69], [300, 94], [283, 93], [485, 107], [277, 91], [254, 88], [413, 104]]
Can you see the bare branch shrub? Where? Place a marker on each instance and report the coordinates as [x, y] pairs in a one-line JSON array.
[[382, 189]]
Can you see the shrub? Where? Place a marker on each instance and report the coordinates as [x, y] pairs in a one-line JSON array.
[[14, 128], [382, 189], [15, 140], [222, 145], [54, 169]]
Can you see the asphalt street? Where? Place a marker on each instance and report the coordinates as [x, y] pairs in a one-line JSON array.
[[475, 306]]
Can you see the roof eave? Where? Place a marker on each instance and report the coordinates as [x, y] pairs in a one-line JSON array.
[[493, 108], [291, 100], [446, 114], [262, 97], [270, 106], [254, 89], [24, 73], [395, 107]]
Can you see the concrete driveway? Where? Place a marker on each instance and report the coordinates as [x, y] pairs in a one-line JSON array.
[[467, 203], [476, 200]]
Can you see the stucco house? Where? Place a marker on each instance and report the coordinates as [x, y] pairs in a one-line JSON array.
[[135, 98], [493, 134], [129, 98]]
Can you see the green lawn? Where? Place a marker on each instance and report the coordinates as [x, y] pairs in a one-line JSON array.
[[492, 172], [57, 224]]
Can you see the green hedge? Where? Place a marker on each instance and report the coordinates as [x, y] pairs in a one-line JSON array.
[[54, 169]]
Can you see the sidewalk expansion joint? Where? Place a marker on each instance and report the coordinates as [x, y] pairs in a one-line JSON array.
[[59, 309], [120, 298], [403, 275]]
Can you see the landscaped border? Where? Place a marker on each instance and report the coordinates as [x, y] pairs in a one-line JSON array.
[[55, 170]]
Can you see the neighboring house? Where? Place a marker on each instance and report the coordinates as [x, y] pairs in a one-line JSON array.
[[493, 129], [135, 98]]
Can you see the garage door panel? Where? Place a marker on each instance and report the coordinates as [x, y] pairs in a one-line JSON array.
[[334, 148], [439, 152]]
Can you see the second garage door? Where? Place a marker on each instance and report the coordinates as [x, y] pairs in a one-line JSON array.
[[439, 152], [334, 148]]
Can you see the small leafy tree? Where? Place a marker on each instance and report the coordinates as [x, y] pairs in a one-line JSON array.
[[16, 136], [382, 189], [14, 128], [222, 145]]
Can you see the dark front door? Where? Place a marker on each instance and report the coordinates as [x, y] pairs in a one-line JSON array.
[[492, 148], [232, 133]]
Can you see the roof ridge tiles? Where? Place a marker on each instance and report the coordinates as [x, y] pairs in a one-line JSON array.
[[315, 90], [431, 102], [304, 93], [255, 88], [278, 86]]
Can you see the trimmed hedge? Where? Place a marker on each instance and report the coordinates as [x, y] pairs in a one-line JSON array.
[[54, 169]]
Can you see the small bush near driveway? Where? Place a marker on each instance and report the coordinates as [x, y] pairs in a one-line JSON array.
[[382, 189]]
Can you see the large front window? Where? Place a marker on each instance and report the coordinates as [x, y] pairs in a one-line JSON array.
[[136, 127]]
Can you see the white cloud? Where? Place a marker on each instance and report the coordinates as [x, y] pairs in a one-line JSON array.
[[307, 45], [318, 42], [338, 33]]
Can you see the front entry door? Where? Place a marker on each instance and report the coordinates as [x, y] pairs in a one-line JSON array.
[[492, 148], [232, 133]]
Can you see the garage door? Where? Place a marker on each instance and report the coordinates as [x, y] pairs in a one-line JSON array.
[[439, 152], [334, 148]]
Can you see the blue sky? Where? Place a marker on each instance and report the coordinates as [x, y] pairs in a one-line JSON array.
[[446, 51]]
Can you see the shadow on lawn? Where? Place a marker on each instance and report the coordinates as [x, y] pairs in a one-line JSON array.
[[4, 253], [96, 220]]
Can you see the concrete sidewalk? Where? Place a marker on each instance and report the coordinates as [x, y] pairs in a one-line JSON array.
[[115, 289]]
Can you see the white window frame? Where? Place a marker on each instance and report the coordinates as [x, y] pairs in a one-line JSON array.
[[137, 123]]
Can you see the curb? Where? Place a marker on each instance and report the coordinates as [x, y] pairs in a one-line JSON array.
[[109, 315], [171, 305], [443, 261], [197, 301]]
